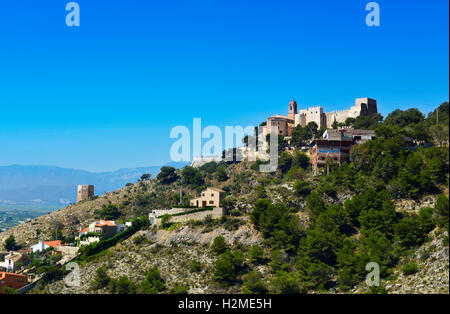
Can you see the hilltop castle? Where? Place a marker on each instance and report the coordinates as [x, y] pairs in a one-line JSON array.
[[362, 107]]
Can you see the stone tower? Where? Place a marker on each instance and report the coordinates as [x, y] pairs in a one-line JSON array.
[[292, 109], [85, 192]]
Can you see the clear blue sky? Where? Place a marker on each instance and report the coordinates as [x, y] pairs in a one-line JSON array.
[[105, 95]]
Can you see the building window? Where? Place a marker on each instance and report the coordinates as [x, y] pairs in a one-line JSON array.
[[211, 202]]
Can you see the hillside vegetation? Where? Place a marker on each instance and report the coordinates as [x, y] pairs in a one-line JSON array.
[[287, 231]]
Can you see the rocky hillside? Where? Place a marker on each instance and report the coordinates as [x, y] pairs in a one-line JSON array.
[[133, 201], [284, 234], [432, 276], [433, 273], [170, 251]]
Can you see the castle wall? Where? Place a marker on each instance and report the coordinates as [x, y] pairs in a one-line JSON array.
[[340, 116], [367, 106], [362, 107], [315, 115]]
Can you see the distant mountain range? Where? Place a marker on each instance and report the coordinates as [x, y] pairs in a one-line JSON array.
[[48, 185]]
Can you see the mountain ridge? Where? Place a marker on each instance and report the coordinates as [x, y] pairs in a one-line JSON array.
[[52, 185]]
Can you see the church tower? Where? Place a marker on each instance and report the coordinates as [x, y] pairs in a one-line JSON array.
[[292, 109]]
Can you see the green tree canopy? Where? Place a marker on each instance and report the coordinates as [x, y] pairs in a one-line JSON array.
[[167, 175]]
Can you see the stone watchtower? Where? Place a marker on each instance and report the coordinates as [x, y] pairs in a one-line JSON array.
[[367, 106], [292, 109], [85, 192]]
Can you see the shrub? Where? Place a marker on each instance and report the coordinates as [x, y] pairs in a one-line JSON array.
[[124, 286], [256, 254], [442, 210], [228, 203], [172, 227], [10, 243], [302, 188], [228, 265], [377, 290], [167, 175], [8, 290], [253, 283], [287, 283], [445, 240], [195, 266], [139, 239], [110, 212], [260, 191], [224, 268], [51, 273], [410, 268], [165, 221], [219, 245], [192, 177], [146, 176], [221, 174], [315, 204], [101, 279], [278, 261], [153, 282], [179, 289]]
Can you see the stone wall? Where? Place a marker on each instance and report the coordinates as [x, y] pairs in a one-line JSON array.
[[90, 240], [161, 212], [215, 213], [362, 107], [67, 250], [340, 116]]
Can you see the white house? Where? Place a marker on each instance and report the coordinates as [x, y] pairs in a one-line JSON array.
[[12, 259], [39, 247], [103, 229]]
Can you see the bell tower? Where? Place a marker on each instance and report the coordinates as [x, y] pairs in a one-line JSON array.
[[292, 109]]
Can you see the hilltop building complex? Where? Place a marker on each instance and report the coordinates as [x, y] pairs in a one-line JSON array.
[[285, 124]]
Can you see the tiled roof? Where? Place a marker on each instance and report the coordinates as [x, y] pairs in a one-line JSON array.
[[102, 223], [4, 274], [54, 244]]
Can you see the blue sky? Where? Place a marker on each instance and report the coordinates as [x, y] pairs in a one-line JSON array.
[[105, 95]]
